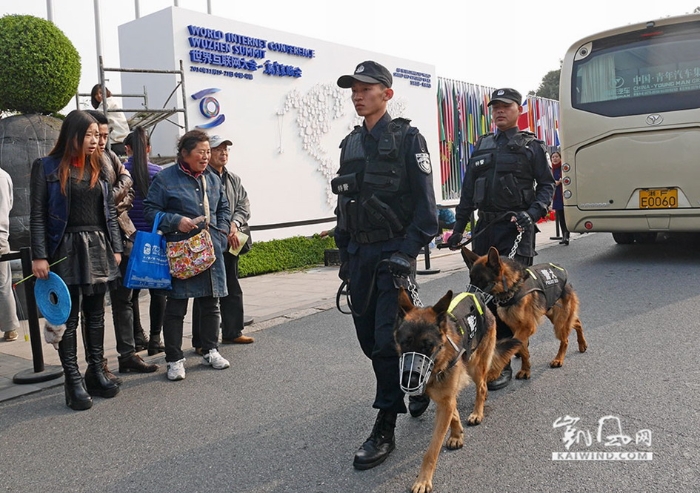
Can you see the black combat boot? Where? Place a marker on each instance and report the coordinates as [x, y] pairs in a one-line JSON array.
[[503, 379], [96, 380], [140, 339], [417, 404], [379, 444], [77, 397]]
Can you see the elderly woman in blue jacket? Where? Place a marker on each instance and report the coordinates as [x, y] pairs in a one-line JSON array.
[[73, 217], [178, 192]]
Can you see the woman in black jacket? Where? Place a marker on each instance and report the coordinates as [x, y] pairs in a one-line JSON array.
[[73, 217]]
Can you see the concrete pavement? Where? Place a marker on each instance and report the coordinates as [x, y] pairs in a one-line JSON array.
[[271, 299]]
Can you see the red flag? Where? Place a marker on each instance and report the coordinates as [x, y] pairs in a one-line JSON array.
[[523, 121]]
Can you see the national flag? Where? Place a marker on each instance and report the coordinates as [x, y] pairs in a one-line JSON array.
[[523, 121]]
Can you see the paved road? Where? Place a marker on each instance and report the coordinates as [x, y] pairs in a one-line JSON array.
[[296, 408]]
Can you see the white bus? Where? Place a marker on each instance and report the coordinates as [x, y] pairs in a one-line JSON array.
[[630, 130]]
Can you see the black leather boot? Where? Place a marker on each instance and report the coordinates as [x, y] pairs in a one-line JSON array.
[[155, 345], [417, 404], [77, 397], [379, 444], [503, 379], [140, 339], [96, 380]]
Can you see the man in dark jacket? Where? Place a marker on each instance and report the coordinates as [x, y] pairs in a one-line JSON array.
[[386, 215], [509, 180]]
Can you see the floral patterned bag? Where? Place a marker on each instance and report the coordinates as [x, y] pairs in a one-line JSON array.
[[192, 256]]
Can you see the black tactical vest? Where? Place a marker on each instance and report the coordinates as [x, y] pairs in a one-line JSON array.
[[503, 177], [374, 201]]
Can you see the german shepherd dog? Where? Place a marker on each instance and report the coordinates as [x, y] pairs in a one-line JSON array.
[[440, 353], [523, 295]]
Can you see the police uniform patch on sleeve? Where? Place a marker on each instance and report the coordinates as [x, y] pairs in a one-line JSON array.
[[423, 160]]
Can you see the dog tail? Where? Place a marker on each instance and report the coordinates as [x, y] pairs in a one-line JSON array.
[[505, 349]]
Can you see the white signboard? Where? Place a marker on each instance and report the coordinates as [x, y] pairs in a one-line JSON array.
[[274, 94]]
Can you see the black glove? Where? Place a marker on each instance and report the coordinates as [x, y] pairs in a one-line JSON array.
[[454, 240], [400, 264], [523, 220], [344, 271]]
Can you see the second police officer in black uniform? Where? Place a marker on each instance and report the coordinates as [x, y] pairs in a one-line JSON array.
[[386, 215], [508, 171]]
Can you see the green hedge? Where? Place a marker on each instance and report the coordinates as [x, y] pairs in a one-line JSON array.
[[280, 255], [39, 66]]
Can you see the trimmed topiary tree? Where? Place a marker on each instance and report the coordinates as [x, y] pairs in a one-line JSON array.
[[39, 66], [39, 74]]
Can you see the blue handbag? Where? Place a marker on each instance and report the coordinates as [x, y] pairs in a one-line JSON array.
[[148, 266]]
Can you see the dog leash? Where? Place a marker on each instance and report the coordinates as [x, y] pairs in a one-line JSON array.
[[513, 250], [344, 288]]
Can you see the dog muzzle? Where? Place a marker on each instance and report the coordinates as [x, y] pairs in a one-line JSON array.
[[415, 370]]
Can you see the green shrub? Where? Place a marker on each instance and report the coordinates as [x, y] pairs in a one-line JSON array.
[[280, 255], [39, 66]]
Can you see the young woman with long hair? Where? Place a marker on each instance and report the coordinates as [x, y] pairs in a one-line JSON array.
[[73, 219]]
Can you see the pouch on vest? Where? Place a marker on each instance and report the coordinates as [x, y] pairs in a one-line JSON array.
[[347, 213], [480, 186], [345, 184], [388, 146], [509, 187], [380, 214]]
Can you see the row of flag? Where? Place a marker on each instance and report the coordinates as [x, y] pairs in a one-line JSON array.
[[463, 116]]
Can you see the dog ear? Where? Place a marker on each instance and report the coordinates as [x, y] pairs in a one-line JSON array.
[[405, 303], [469, 257], [494, 259], [440, 308]]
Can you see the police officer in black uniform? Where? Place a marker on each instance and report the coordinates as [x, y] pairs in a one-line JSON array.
[[508, 171], [386, 215]]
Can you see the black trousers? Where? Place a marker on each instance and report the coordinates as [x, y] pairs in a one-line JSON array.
[[208, 318], [375, 328]]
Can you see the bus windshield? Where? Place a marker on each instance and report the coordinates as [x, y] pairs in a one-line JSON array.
[[648, 71]]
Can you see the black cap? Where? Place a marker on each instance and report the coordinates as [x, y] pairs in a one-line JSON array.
[[506, 95], [368, 72]]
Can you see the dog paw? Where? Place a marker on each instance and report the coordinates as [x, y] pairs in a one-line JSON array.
[[556, 363], [582, 347], [523, 375], [422, 486], [474, 419], [454, 443]]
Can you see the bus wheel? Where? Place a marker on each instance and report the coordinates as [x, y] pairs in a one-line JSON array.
[[645, 237], [623, 238]]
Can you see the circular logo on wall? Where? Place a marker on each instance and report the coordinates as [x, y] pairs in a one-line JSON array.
[[209, 107]]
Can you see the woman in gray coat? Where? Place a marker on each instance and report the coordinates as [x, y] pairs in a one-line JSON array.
[[178, 192]]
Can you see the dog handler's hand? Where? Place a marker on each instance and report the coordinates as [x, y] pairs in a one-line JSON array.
[[454, 240], [400, 264], [523, 220]]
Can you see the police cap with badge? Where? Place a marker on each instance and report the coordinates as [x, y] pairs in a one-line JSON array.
[[506, 95], [369, 72]]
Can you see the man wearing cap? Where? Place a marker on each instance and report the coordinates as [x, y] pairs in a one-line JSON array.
[[507, 172], [386, 215], [231, 305]]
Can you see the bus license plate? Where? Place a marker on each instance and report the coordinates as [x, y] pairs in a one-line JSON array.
[[658, 198]]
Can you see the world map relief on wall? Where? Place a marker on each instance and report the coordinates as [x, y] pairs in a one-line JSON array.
[[316, 111]]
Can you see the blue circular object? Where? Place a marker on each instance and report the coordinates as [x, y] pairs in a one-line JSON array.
[[53, 299]]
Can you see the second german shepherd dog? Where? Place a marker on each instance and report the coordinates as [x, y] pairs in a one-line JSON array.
[[523, 295], [457, 349]]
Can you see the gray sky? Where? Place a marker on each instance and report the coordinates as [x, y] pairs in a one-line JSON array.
[[507, 43]]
